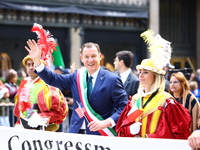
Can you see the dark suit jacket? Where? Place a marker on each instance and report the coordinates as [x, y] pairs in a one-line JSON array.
[[108, 97], [131, 84]]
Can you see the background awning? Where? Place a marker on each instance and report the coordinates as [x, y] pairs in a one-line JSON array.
[[73, 9]]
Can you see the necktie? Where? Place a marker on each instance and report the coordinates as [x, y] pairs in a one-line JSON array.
[[89, 86]]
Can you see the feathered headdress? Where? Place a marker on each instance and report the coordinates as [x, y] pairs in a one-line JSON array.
[[160, 52], [46, 42]]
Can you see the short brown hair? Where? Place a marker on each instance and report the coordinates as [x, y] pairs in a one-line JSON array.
[[89, 45], [126, 56]]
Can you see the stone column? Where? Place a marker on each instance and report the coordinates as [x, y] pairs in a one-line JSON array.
[[75, 42], [154, 15], [198, 35]]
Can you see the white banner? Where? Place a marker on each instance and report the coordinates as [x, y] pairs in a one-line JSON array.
[[24, 139]]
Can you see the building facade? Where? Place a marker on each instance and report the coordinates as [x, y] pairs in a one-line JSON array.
[[114, 24], [178, 24]]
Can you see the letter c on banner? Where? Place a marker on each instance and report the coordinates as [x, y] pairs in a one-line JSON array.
[[10, 140]]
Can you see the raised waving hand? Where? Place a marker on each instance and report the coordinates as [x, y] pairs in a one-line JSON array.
[[34, 51]]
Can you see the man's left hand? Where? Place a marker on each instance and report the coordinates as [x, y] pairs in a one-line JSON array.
[[99, 125]]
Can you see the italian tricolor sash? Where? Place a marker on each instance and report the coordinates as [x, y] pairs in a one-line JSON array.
[[90, 113]]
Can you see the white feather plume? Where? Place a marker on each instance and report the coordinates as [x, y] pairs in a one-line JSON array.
[[159, 48]]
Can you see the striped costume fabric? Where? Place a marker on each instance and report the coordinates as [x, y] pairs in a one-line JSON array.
[[192, 104]]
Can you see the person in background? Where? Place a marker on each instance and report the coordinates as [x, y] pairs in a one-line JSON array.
[[1, 85], [123, 63], [194, 89], [179, 88], [4, 109], [36, 103], [100, 101], [10, 83], [152, 112], [167, 75]]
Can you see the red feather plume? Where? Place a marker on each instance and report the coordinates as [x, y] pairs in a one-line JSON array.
[[46, 42]]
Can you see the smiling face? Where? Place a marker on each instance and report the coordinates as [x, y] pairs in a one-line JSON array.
[[146, 78], [91, 58]]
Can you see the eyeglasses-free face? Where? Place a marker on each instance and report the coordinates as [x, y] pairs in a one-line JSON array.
[[146, 78]]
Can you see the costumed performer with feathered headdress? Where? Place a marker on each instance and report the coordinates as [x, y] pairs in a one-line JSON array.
[[152, 112], [38, 105]]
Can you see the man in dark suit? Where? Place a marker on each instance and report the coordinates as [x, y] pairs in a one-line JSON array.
[[98, 112], [123, 63]]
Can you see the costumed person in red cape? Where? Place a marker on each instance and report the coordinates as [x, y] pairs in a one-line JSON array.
[[152, 112], [38, 105]]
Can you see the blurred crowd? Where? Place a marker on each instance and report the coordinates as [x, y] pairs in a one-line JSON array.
[[10, 83]]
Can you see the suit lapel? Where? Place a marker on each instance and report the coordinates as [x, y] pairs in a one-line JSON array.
[[98, 83], [127, 80]]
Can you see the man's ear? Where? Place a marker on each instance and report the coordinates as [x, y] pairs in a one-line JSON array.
[[100, 55], [121, 62], [81, 57]]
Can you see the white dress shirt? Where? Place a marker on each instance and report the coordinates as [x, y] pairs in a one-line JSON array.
[[124, 75]]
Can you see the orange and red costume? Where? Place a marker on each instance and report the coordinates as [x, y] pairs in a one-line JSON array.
[[37, 96]]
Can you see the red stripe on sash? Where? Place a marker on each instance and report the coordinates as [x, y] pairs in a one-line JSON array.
[[81, 99]]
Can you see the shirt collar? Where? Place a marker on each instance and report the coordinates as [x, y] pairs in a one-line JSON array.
[[124, 75], [94, 75]]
